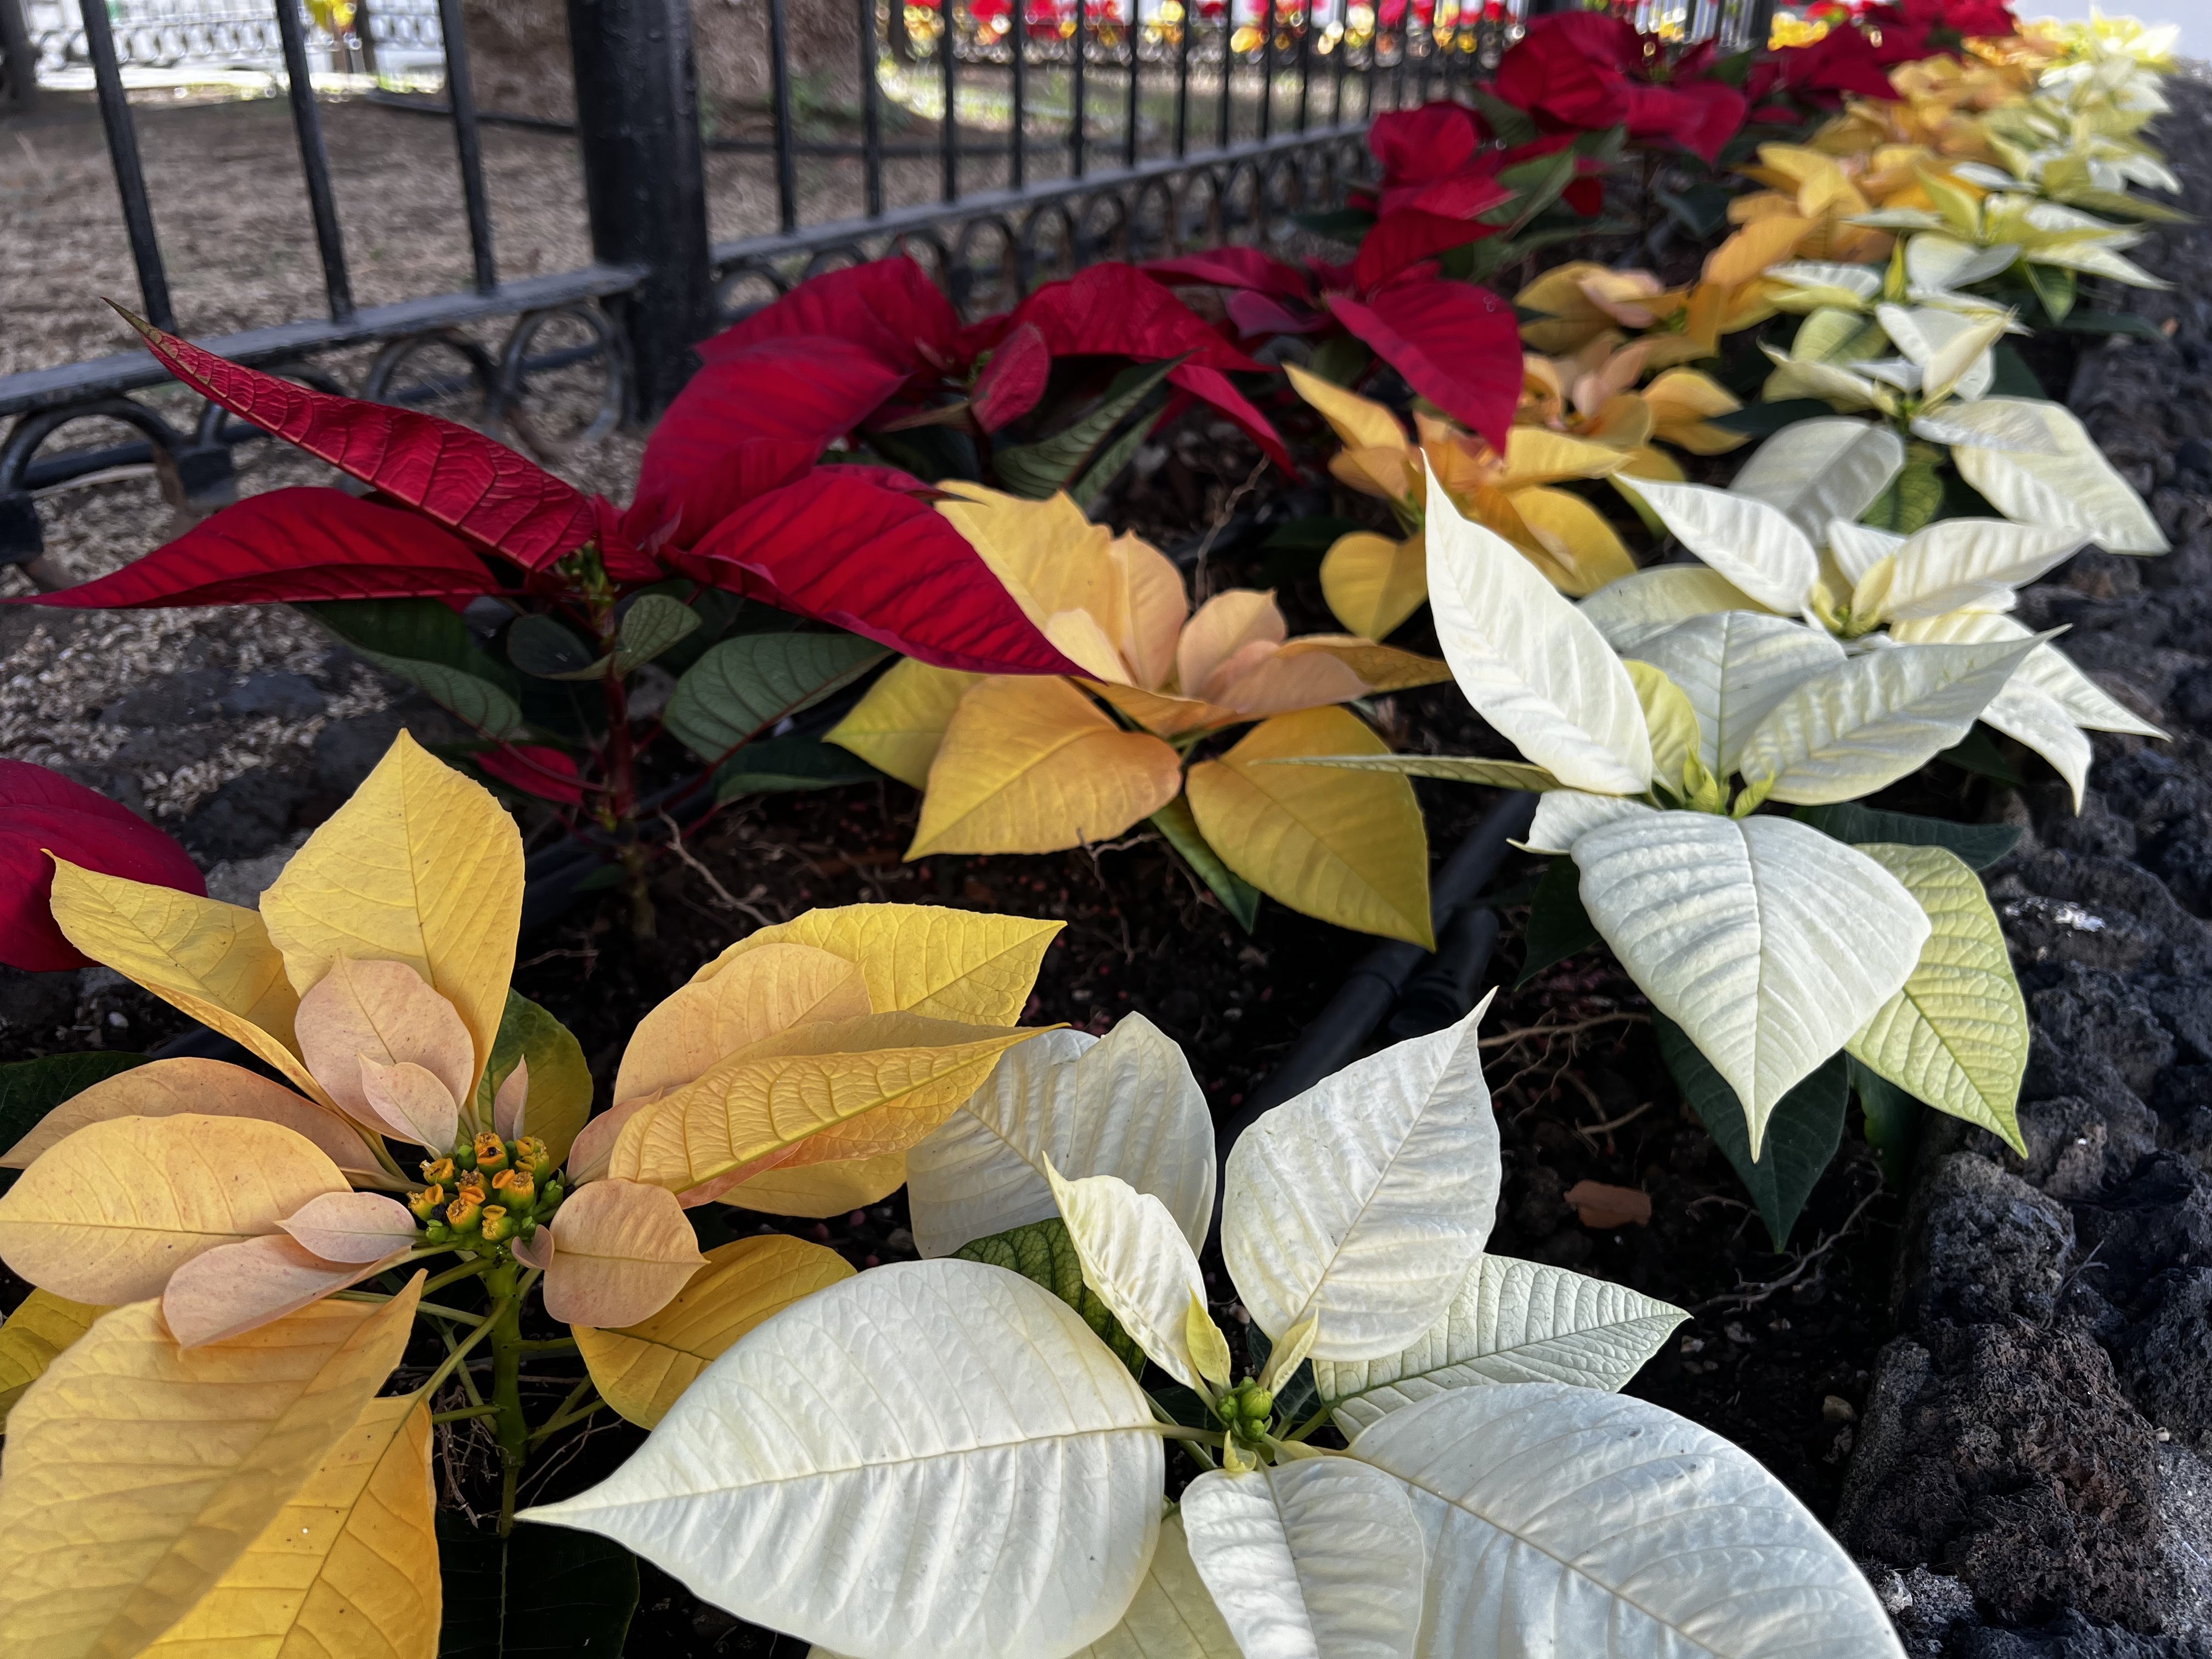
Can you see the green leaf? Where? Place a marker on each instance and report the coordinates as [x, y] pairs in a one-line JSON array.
[[2055, 285], [1111, 460], [430, 647], [1039, 469], [1702, 209], [653, 624], [746, 684], [1893, 1122], [1802, 1132], [1559, 925], [1765, 420], [1980, 845], [1043, 1252], [1977, 752], [781, 765], [560, 1080], [2013, 377], [1513, 125], [29, 1089], [1180, 825], [1915, 496], [1541, 182], [1341, 360], [2112, 322], [545, 649], [1298, 1398], [539, 1593], [1183, 1405]]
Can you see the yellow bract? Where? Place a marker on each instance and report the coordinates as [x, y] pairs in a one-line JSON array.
[[1372, 583], [921, 959], [640, 1369], [43, 1326], [138, 1472], [1031, 765], [621, 1250], [897, 726], [1348, 847], [755, 996], [422, 866], [109, 1212], [347, 1570]]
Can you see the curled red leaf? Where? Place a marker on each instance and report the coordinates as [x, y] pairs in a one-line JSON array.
[[42, 811]]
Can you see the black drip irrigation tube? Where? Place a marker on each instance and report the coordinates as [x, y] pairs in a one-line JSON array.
[[1425, 991]]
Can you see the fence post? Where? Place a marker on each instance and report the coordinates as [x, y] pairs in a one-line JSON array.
[[645, 180], [19, 59]]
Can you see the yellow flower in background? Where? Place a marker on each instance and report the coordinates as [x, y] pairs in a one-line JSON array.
[[1592, 393]]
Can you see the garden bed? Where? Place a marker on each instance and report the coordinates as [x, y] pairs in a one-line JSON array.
[[1992, 1379]]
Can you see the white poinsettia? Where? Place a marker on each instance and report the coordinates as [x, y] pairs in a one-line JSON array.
[[1948, 583], [939, 1460], [1769, 942]]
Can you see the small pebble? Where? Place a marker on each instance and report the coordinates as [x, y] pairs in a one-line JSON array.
[[1836, 1409]]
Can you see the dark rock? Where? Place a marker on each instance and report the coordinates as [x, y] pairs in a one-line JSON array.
[[2070, 1636], [190, 696], [1982, 1245], [2164, 1360], [2160, 1219], [2183, 1007], [2005, 1456], [2077, 1147], [2087, 1010], [1926, 1606], [245, 817], [36, 1002], [2183, 1101], [346, 750], [288, 696]]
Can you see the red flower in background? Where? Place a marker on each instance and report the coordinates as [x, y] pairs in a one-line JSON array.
[[1586, 72], [1843, 60], [1437, 159], [41, 812]]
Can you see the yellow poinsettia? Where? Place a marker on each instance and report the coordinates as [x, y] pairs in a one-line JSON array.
[[1592, 393], [1579, 301], [1828, 191], [1374, 582], [1038, 763]]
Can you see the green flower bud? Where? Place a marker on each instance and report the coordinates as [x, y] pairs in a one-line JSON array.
[[498, 1224], [427, 1203], [490, 1154]]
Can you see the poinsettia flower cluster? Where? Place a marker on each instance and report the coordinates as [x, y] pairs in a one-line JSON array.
[[1586, 72]]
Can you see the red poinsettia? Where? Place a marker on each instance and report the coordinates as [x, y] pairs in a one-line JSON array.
[[455, 514], [1587, 71], [1843, 60], [41, 812], [1437, 159], [1457, 344]]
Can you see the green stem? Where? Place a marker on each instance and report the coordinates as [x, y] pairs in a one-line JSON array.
[[553, 1345], [1310, 1424], [451, 1362], [464, 1411], [571, 1410], [506, 1287], [454, 1275]]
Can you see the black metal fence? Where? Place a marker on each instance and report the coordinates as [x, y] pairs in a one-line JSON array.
[[1066, 131]]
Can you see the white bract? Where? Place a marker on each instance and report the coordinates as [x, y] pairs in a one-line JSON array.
[[1769, 942], [1948, 583], [939, 1460]]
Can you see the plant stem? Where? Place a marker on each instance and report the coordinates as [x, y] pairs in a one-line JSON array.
[[504, 1323], [567, 1412], [1310, 1424], [555, 1345], [463, 1412], [454, 1275]]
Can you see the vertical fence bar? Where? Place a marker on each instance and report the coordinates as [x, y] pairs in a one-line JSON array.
[[1228, 56], [1267, 73], [314, 159], [1338, 66], [1404, 55], [1129, 111], [1183, 81], [948, 131], [129, 172], [645, 180], [468, 144], [1079, 121], [1305, 59], [872, 120], [1017, 156], [779, 78], [21, 57]]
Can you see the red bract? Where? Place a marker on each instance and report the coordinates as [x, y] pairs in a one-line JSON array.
[[1117, 310], [1457, 344], [42, 811], [1588, 71], [549, 773], [838, 545], [1843, 60], [753, 419], [499, 500], [292, 544], [889, 307], [1014, 379]]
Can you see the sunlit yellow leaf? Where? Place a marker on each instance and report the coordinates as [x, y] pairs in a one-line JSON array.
[[821, 1190], [921, 959], [1683, 405], [109, 1212], [622, 1250], [138, 1472], [42, 1327], [1372, 583], [1226, 626], [1536, 456], [898, 725], [1753, 249], [1348, 847], [1672, 720], [213, 1088], [1358, 423], [347, 1570], [382, 1011], [850, 1089], [641, 1369], [760, 993], [236, 1288], [1051, 557], [214, 961], [424, 867], [1163, 713], [1577, 536], [1031, 765]]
